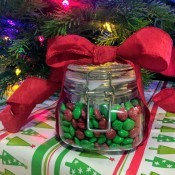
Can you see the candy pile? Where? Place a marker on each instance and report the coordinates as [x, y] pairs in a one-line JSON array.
[[125, 128]]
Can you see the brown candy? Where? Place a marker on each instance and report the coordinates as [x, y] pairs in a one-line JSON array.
[[81, 125], [138, 122], [70, 106], [136, 141], [70, 141], [74, 123], [105, 146], [68, 115], [97, 114], [80, 135], [134, 132], [122, 114], [102, 123], [83, 114], [97, 134], [97, 145], [139, 108], [110, 134], [81, 120], [134, 113]]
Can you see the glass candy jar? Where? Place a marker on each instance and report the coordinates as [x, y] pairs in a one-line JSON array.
[[101, 108]]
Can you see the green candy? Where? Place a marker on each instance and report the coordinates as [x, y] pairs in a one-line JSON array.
[[65, 128], [91, 111], [87, 144], [135, 102], [118, 139], [80, 105], [128, 105], [93, 139], [128, 124], [114, 146], [127, 141], [63, 107], [89, 133], [129, 146], [101, 139], [95, 123], [67, 136], [109, 141], [123, 133], [77, 141], [77, 112], [66, 123], [114, 110], [117, 125], [113, 115], [104, 109], [90, 124], [72, 130]]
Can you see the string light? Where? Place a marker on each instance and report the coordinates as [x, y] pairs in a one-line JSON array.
[[65, 3], [10, 90], [17, 71], [107, 26], [6, 38]]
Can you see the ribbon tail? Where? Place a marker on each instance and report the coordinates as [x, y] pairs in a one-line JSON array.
[[166, 99], [19, 106], [141, 93]]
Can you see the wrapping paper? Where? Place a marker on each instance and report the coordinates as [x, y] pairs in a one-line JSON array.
[[36, 150]]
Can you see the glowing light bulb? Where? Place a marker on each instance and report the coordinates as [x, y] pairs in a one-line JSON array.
[[107, 26], [41, 38], [6, 38], [65, 3], [17, 71]]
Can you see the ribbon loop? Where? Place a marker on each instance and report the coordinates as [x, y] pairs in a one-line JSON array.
[[150, 47]]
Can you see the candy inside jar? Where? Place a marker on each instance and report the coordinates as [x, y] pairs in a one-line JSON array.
[[101, 109]]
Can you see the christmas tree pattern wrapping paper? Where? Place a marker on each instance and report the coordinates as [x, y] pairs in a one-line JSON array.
[[36, 150]]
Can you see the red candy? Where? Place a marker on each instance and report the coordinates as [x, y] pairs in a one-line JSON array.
[[68, 115], [136, 141], [97, 114], [70, 106], [111, 133], [97, 134], [134, 132], [122, 114], [134, 113], [80, 135], [74, 123], [81, 125], [83, 114], [102, 123]]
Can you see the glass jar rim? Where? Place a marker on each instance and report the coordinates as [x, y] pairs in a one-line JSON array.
[[112, 66]]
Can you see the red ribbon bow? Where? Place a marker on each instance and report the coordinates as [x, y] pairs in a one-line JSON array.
[[150, 48]]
